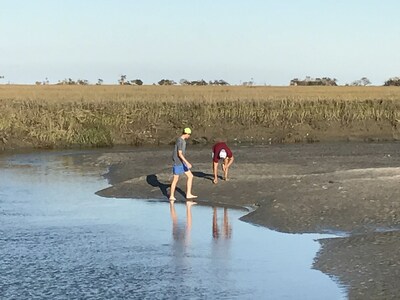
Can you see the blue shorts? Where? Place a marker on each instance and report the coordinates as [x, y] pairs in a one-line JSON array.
[[178, 170]]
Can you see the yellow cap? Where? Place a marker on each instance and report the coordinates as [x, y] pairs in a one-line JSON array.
[[187, 130]]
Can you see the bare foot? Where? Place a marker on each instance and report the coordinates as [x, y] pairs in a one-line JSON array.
[[191, 197], [172, 198], [190, 203], [215, 181]]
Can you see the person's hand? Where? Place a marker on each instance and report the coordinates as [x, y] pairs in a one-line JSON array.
[[189, 165]]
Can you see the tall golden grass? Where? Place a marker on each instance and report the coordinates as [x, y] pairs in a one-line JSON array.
[[94, 93], [64, 116]]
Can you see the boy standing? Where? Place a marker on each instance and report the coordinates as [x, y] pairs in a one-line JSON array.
[[181, 165]]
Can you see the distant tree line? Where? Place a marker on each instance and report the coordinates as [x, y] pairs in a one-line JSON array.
[[70, 81], [364, 81], [308, 81], [166, 82], [326, 81], [203, 82], [394, 81], [122, 81]]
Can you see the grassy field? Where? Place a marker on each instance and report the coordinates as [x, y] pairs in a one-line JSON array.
[[66, 116], [93, 93]]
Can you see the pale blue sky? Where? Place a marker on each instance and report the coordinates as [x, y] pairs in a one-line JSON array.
[[269, 41]]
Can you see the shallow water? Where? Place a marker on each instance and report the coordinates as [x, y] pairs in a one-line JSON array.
[[58, 240]]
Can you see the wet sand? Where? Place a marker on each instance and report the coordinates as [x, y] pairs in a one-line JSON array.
[[349, 188]]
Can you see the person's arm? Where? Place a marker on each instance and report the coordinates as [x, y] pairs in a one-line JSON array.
[[183, 159]]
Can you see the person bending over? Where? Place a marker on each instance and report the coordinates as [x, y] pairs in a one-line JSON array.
[[220, 151]]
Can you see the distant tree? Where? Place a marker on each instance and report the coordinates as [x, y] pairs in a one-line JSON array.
[[218, 82], [66, 81], [329, 81], [365, 81], [198, 82], [1, 77], [122, 80], [248, 83], [166, 82], [82, 82], [99, 81], [38, 82], [308, 81], [184, 82], [136, 82], [394, 81]]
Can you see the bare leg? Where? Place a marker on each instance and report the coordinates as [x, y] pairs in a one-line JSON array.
[[225, 169], [226, 174], [189, 183], [173, 188], [215, 171]]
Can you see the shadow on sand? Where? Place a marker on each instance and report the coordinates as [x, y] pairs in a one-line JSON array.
[[153, 181], [203, 175]]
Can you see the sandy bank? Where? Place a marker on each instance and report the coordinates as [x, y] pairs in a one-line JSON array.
[[343, 187]]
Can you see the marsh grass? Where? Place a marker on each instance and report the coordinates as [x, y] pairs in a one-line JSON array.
[[64, 116]]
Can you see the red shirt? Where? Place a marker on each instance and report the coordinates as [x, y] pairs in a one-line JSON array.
[[217, 148]]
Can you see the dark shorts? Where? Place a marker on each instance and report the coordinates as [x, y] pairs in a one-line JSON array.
[[178, 170]]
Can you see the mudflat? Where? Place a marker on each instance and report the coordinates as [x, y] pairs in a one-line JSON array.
[[350, 188]]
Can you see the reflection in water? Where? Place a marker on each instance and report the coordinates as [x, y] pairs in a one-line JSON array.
[[226, 227], [59, 240], [181, 232]]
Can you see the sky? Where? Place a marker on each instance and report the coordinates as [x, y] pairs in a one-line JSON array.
[[268, 42]]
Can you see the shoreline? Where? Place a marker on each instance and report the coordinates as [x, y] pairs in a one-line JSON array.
[[275, 177], [298, 188]]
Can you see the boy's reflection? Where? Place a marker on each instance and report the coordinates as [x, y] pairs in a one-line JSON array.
[[180, 231], [226, 227]]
